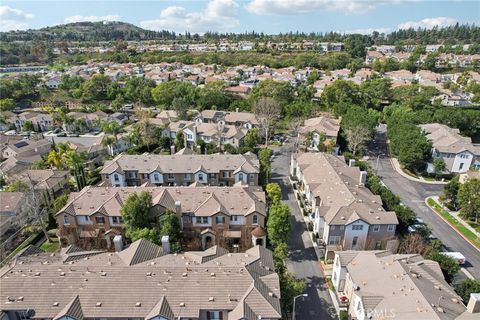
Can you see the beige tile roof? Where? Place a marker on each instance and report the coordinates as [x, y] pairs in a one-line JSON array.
[[408, 285], [446, 139], [242, 117], [169, 285], [185, 163], [328, 126], [201, 201], [42, 179], [10, 201], [344, 200]]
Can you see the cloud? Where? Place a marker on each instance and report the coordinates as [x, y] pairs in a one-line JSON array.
[[219, 15], [428, 23], [79, 18], [13, 19], [296, 7]]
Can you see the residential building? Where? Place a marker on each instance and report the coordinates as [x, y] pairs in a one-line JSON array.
[[322, 129], [142, 281], [181, 170], [10, 211], [40, 121], [469, 175], [47, 183], [26, 150], [208, 215], [458, 152], [239, 119], [85, 121], [167, 116], [346, 215], [382, 285], [218, 133]]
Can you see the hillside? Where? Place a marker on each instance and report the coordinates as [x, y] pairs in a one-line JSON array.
[[87, 31]]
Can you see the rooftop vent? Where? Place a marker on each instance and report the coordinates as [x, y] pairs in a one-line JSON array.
[[182, 304], [184, 274], [211, 299], [138, 304], [212, 274], [55, 304], [98, 304]]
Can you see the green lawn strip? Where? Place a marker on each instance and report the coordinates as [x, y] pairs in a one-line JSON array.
[[53, 246], [455, 223]]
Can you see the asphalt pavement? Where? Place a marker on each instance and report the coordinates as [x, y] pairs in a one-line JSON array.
[[302, 260], [413, 194]]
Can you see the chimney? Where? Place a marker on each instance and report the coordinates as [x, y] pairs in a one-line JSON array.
[[178, 207], [166, 244], [194, 133], [172, 149], [473, 305], [118, 243], [363, 177], [351, 163]]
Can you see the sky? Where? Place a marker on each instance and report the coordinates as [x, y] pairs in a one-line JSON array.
[[268, 16]]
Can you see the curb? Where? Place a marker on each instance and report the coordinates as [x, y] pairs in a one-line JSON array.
[[451, 226], [394, 161]]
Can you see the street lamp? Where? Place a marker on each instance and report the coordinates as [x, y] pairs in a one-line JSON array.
[[378, 160], [294, 300]]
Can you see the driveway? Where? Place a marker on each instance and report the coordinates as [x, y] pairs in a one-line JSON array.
[[413, 194], [302, 260]]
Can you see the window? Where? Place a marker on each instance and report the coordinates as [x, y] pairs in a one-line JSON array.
[[461, 166], [171, 176], [198, 219], [65, 219], [187, 176], [212, 175], [391, 227], [334, 240], [357, 227], [214, 315], [187, 219], [342, 227], [156, 177], [220, 220], [240, 176], [205, 220], [376, 228], [200, 177], [201, 220], [117, 220], [116, 178], [100, 220], [189, 136], [332, 228], [255, 219], [234, 218], [226, 174]]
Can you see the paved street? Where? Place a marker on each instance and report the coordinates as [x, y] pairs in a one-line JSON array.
[[413, 194], [302, 260]]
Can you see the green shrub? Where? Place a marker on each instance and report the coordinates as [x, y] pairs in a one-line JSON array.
[[343, 315]]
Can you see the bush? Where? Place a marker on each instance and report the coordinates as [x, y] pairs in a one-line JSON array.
[[343, 315]]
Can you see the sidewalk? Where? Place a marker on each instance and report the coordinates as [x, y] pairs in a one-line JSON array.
[[397, 167]]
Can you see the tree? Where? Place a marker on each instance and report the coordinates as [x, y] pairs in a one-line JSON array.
[[109, 141], [113, 128], [279, 224], [171, 227], [28, 125], [17, 186], [267, 111], [448, 265], [96, 88], [7, 104], [290, 288], [450, 193], [414, 243], [136, 210], [342, 92], [265, 166], [467, 287], [439, 166], [179, 141], [280, 91], [274, 192], [409, 144], [250, 140], [76, 162], [181, 106], [356, 138], [469, 199], [150, 234]]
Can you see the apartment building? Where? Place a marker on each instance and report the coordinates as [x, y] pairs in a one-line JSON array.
[[346, 215], [213, 215], [318, 127], [40, 121], [382, 285], [142, 281], [458, 152], [181, 170], [47, 183]]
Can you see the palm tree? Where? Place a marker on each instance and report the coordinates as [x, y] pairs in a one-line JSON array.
[[108, 141], [55, 159], [75, 162], [112, 128]]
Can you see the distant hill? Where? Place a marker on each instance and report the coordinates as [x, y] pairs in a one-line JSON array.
[[87, 31]]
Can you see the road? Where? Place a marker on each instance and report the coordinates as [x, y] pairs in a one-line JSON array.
[[413, 194], [302, 260]]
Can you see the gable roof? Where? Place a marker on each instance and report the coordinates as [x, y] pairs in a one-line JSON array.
[[141, 251], [72, 310]]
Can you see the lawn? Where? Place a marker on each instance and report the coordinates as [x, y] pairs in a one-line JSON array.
[[472, 224], [53, 246], [455, 223]]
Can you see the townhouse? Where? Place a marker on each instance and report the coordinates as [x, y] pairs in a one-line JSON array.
[[218, 133], [26, 150], [181, 170], [382, 285], [142, 281], [314, 129], [85, 121], [40, 121], [209, 215], [239, 119], [345, 214], [458, 152]]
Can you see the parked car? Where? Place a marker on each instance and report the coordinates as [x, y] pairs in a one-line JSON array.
[[460, 258], [61, 134]]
